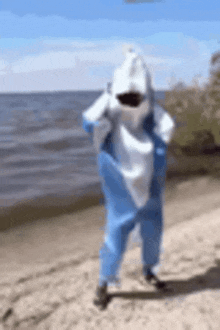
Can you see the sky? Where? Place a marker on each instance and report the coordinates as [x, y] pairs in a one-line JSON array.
[[76, 45]]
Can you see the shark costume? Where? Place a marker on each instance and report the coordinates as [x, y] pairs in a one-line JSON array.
[[131, 144]]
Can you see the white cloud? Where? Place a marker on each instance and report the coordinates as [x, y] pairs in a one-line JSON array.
[[168, 61], [41, 52], [46, 61], [81, 64]]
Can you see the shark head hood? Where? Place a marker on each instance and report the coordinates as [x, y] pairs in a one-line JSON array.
[[131, 78]]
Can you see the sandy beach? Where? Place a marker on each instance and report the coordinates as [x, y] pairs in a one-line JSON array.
[[49, 269]]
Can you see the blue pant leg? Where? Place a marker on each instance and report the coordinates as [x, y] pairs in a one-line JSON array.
[[112, 251], [121, 213], [151, 216], [151, 226]]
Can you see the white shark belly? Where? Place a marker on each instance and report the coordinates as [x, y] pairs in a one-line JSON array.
[[135, 157]]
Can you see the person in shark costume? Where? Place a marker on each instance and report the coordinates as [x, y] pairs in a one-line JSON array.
[[130, 133]]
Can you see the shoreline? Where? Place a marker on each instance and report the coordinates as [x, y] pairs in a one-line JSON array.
[[51, 206], [181, 169]]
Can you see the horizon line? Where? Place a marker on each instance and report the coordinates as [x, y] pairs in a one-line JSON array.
[[64, 90]]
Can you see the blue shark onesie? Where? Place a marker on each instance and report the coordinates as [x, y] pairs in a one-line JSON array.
[[131, 145]]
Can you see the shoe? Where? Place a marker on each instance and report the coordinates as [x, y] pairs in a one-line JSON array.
[[102, 298], [154, 280]]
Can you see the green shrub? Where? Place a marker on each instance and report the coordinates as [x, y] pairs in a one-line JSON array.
[[196, 111]]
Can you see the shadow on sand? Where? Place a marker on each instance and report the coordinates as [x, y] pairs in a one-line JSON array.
[[209, 280]]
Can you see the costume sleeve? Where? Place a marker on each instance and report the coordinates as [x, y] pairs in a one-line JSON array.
[[95, 121], [165, 125]]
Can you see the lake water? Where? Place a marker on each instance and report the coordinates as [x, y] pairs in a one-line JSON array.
[[43, 149]]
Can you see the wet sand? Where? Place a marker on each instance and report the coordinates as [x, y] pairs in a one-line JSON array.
[[49, 269]]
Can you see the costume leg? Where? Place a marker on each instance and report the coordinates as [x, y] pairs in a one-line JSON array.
[[111, 253], [121, 213], [151, 226]]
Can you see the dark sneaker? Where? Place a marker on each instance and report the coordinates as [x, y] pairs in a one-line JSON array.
[[102, 298], [154, 280]]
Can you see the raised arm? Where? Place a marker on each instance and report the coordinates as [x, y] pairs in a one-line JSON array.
[[95, 122]]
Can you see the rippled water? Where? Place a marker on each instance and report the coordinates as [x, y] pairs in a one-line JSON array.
[[43, 148]]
